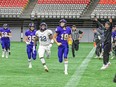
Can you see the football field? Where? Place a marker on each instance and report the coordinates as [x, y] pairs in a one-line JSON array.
[[84, 69]]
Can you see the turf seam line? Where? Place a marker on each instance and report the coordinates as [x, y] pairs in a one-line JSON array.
[[75, 78]]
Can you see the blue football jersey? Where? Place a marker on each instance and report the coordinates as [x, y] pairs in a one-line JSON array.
[[5, 32], [114, 34], [31, 36], [63, 34]]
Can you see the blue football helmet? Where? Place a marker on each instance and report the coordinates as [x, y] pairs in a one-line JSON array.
[[31, 26], [5, 26], [63, 20]]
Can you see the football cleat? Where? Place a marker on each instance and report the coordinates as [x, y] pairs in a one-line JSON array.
[[96, 57], [6, 54], [104, 67], [2, 55], [46, 69], [65, 72], [30, 65], [112, 58], [109, 63]]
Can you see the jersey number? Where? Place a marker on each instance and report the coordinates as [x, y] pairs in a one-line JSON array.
[[4, 34], [43, 38], [31, 38], [64, 36]]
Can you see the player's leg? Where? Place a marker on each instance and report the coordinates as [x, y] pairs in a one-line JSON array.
[[102, 50], [3, 49], [60, 53], [48, 52], [112, 49], [7, 44], [77, 45], [66, 60], [34, 53], [41, 52], [115, 51], [109, 49], [9, 48], [105, 57], [29, 51], [97, 49]]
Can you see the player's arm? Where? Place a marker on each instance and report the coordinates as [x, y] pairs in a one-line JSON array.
[[101, 25], [80, 34], [9, 35], [26, 40], [51, 36], [110, 20], [99, 37], [0, 34], [35, 41], [70, 37], [36, 38], [54, 38]]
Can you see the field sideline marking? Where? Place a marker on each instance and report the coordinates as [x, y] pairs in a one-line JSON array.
[[75, 78]]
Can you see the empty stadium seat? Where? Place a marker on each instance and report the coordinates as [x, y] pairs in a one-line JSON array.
[[60, 8], [105, 9], [12, 8]]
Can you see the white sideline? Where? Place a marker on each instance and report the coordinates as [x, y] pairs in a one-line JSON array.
[[74, 80]]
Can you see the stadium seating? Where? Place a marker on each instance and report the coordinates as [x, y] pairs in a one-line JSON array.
[[105, 9], [59, 8], [12, 8]]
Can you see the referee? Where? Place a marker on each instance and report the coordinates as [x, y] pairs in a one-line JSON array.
[[76, 36], [107, 42]]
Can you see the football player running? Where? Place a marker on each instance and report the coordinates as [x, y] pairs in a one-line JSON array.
[[29, 40], [5, 34], [45, 38], [61, 37]]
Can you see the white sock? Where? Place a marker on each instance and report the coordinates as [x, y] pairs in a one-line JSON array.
[[29, 60], [43, 62], [6, 54], [3, 52], [65, 66]]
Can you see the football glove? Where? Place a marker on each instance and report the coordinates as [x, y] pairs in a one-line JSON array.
[[27, 43], [50, 45]]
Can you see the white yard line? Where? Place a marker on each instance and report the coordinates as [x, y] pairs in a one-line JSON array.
[[74, 80]]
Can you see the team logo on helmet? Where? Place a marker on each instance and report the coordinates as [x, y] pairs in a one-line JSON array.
[[31, 26], [63, 20], [5, 26]]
